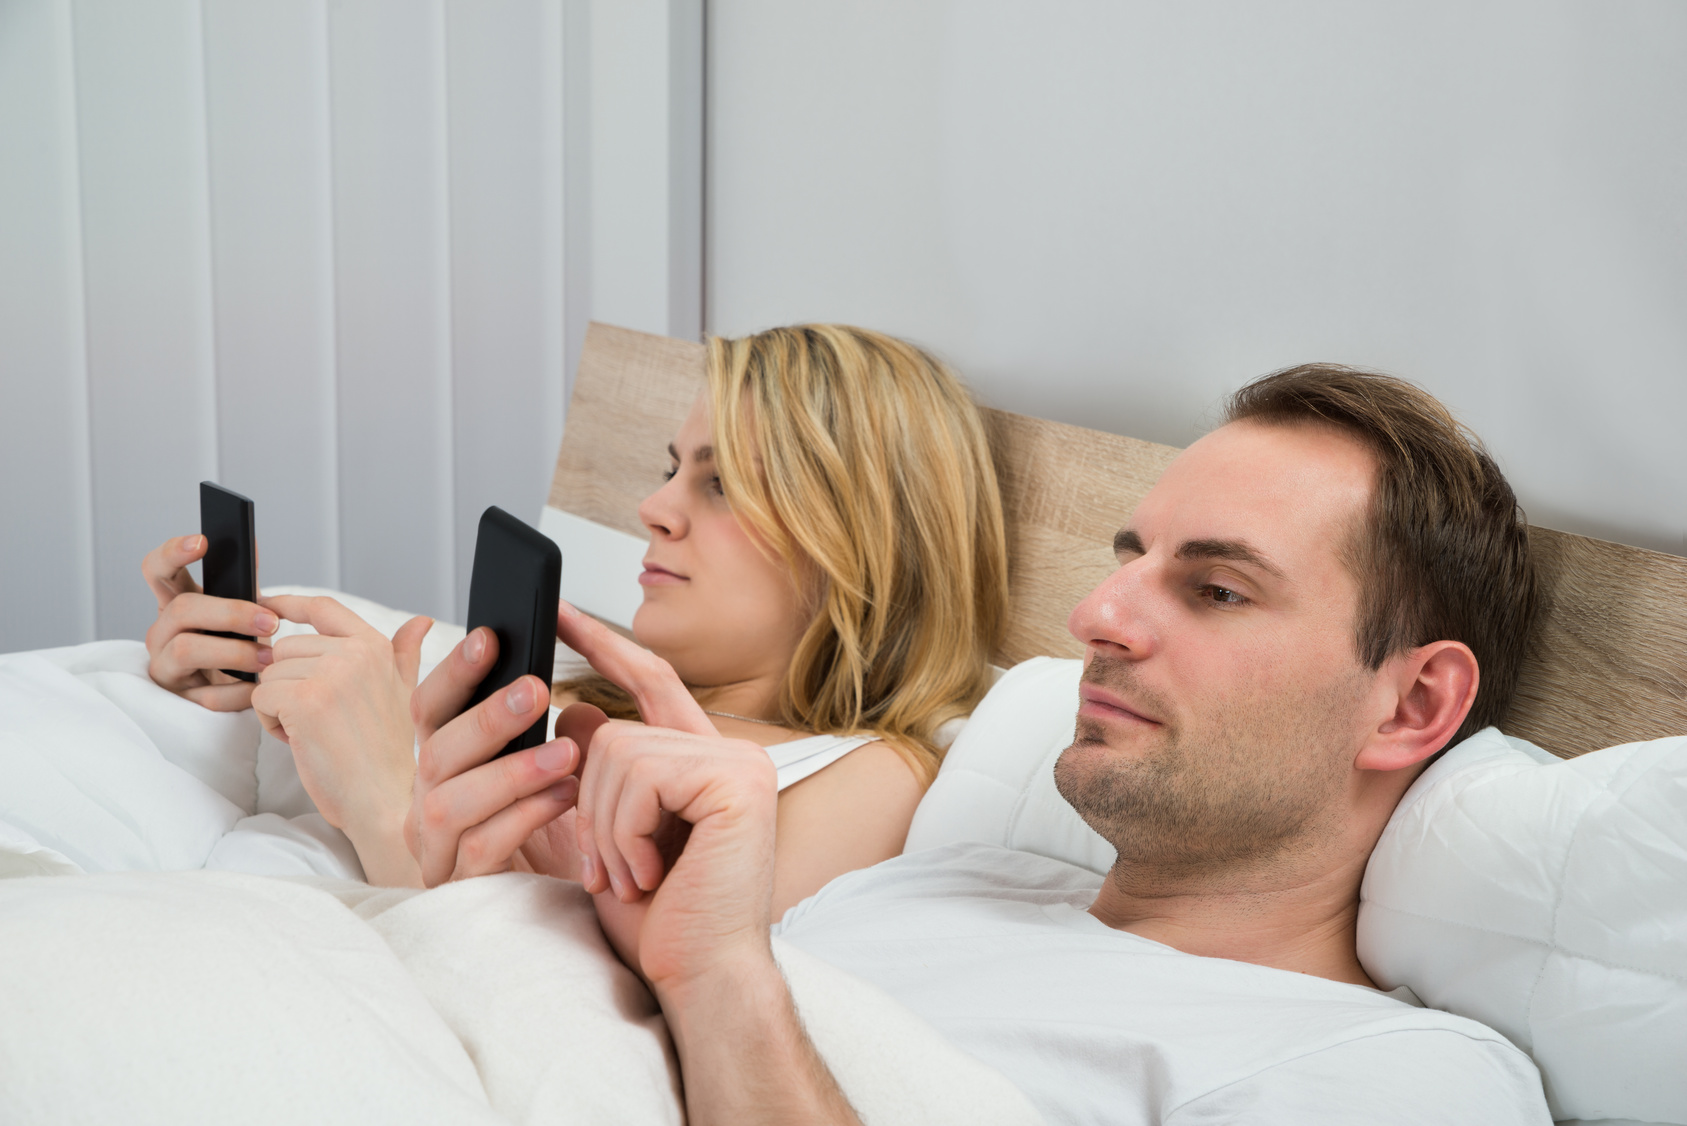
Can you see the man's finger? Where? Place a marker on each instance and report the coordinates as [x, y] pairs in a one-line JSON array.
[[323, 614], [580, 722], [490, 846], [407, 647], [447, 690], [481, 732], [662, 698], [479, 794]]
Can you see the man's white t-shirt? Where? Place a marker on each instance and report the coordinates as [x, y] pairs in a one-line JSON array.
[[997, 950]]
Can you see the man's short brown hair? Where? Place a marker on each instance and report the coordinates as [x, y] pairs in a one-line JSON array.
[[1443, 554]]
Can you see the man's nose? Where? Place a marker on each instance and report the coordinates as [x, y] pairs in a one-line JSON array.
[[1113, 617]]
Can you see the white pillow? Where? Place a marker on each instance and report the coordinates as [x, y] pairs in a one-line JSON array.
[[997, 782], [1546, 899]]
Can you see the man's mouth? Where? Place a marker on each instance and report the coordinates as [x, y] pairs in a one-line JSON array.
[[655, 575], [1098, 703]]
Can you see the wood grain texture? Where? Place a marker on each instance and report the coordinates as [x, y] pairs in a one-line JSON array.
[[1607, 663], [1608, 660], [1065, 491], [631, 392]]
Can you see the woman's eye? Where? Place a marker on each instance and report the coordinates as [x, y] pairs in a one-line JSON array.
[[716, 487], [669, 475]]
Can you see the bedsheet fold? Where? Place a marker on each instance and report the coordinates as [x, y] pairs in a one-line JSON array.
[[218, 996]]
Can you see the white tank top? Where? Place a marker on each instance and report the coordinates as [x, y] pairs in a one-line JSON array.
[[799, 758]]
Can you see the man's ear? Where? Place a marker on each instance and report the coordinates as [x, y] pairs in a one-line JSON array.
[[1434, 688]]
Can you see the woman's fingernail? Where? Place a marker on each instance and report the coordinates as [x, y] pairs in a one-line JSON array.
[[588, 870], [190, 543], [566, 790], [264, 622], [519, 697], [615, 884], [475, 647], [266, 655], [555, 756]]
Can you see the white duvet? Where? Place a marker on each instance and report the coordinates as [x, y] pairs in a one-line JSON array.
[[147, 975]]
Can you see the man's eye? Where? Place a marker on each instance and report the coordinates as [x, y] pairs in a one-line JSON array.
[[1223, 595]]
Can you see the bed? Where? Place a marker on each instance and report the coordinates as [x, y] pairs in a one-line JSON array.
[[1525, 882]]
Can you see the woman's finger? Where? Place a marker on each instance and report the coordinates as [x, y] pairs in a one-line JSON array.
[[234, 697], [407, 648], [448, 689], [299, 645], [200, 612], [165, 567], [293, 668], [490, 846], [188, 654], [662, 698], [323, 614]]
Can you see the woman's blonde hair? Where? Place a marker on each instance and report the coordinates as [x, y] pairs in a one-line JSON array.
[[863, 463]]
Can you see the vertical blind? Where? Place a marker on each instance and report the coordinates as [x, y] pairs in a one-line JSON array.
[[312, 250]]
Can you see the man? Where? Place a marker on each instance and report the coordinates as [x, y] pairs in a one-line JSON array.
[[1314, 600]]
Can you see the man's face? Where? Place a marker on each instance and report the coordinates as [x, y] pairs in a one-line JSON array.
[[1223, 699]]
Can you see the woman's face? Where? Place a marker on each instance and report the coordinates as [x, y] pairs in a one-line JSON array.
[[717, 606]]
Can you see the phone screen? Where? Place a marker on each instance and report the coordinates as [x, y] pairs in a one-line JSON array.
[[231, 552], [513, 590]]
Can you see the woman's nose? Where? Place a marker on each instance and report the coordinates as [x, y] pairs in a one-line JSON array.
[[663, 511]]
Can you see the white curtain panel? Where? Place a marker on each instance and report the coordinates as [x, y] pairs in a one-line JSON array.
[[313, 251]]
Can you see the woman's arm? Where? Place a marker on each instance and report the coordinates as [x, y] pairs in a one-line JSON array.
[[850, 815]]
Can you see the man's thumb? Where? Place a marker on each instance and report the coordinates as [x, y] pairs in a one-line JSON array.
[[407, 647]]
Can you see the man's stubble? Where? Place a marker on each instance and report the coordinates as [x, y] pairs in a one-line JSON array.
[[1252, 780]]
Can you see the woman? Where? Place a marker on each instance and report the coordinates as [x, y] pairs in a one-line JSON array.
[[827, 574]]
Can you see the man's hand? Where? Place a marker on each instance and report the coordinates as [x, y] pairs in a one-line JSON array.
[[182, 656], [341, 698], [675, 828], [471, 812]]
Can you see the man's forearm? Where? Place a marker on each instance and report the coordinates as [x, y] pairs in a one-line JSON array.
[[744, 1054]]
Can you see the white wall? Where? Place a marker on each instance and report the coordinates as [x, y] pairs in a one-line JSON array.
[[337, 256], [1112, 212]]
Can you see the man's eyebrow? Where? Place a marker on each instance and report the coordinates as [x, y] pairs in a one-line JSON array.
[[1127, 541], [701, 453], [1236, 551]]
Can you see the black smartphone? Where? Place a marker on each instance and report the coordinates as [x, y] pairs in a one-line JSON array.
[[513, 590], [231, 552]]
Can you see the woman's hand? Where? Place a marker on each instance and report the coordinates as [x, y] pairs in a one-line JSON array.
[[341, 699], [471, 812], [183, 657]]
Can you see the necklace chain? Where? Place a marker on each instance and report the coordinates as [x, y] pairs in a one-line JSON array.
[[745, 718]]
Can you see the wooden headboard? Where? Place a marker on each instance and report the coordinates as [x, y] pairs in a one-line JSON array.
[[1607, 664]]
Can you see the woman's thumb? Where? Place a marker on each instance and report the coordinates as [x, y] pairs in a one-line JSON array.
[[407, 647]]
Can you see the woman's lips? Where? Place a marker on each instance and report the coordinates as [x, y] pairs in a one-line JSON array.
[[652, 575], [1098, 703]]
